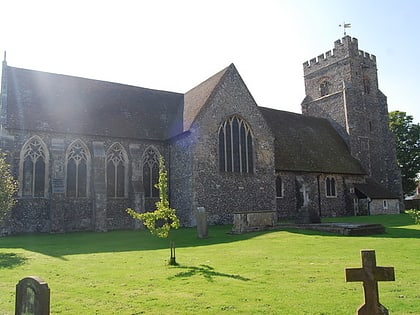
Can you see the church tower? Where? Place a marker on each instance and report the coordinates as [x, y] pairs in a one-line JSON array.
[[342, 86]]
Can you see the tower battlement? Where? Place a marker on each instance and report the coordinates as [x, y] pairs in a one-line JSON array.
[[343, 48]]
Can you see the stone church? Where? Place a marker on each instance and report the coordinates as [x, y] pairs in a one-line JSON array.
[[84, 150]]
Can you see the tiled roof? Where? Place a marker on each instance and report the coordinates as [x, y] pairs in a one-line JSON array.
[[58, 103], [308, 144], [374, 190]]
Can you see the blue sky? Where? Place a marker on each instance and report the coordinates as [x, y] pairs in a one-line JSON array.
[[174, 45]]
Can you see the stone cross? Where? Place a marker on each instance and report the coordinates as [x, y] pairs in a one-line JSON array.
[[32, 297], [370, 274], [305, 192]]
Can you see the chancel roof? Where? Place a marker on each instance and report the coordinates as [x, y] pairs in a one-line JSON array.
[[308, 144]]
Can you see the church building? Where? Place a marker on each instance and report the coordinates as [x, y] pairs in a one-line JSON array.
[[84, 150]]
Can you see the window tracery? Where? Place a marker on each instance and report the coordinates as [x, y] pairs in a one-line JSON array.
[[116, 171], [151, 172], [77, 170]]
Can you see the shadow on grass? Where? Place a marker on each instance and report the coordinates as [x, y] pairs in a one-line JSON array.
[[11, 260], [206, 271], [61, 245]]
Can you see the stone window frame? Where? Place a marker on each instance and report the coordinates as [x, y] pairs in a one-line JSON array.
[[325, 88], [385, 204], [236, 146], [330, 187], [150, 160], [78, 157], [279, 187], [366, 85], [34, 148], [117, 155]]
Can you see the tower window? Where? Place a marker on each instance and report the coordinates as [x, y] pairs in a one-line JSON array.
[[279, 187], [325, 88], [235, 146], [366, 85]]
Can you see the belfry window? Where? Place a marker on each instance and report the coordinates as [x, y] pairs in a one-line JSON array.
[[150, 172], [77, 169], [33, 170], [235, 146], [116, 171], [330, 187], [325, 88]]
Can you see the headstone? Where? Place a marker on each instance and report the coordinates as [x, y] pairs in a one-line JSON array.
[[32, 297], [306, 214], [201, 218], [370, 274]]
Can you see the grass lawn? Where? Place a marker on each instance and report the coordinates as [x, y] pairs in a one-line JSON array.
[[277, 272]]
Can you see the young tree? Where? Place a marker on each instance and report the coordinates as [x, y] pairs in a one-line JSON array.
[[8, 187], [407, 139], [160, 221]]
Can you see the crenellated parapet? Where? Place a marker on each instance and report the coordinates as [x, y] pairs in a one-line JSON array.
[[343, 48]]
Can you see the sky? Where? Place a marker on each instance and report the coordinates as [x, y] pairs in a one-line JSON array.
[[175, 45]]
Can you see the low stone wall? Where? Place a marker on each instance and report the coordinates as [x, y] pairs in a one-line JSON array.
[[253, 221]]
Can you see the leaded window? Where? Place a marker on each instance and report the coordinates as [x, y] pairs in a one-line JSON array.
[[325, 88], [77, 170], [330, 187], [236, 146], [116, 171], [279, 187], [34, 168], [150, 172]]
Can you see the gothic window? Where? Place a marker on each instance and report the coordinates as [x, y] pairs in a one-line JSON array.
[[324, 88], [77, 170], [33, 168], [366, 85], [235, 146], [116, 171], [279, 187], [330, 187], [150, 172]]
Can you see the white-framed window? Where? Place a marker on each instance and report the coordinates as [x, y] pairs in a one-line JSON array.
[[116, 171], [151, 172], [78, 163], [236, 146], [33, 168], [279, 187], [330, 187]]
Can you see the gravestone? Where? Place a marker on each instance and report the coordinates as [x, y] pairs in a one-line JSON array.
[[306, 214], [32, 297], [201, 218], [370, 274]]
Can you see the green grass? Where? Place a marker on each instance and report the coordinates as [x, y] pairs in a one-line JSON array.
[[277, 272]]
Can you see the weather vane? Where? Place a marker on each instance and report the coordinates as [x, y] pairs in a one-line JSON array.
[[344, 26]]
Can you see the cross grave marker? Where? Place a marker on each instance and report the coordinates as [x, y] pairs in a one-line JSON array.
[[32, 297], [370, 274]]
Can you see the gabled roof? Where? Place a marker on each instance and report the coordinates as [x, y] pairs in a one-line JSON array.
[[308, 144], [374, 190], [196, 98], [43, 101]]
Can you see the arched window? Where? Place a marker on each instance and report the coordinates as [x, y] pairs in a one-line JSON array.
[[279, 187], [330, 187], [235, 146], [33, 168], [150, 172], [325, 88], [366, 85], [116, 171], [77, 169]]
